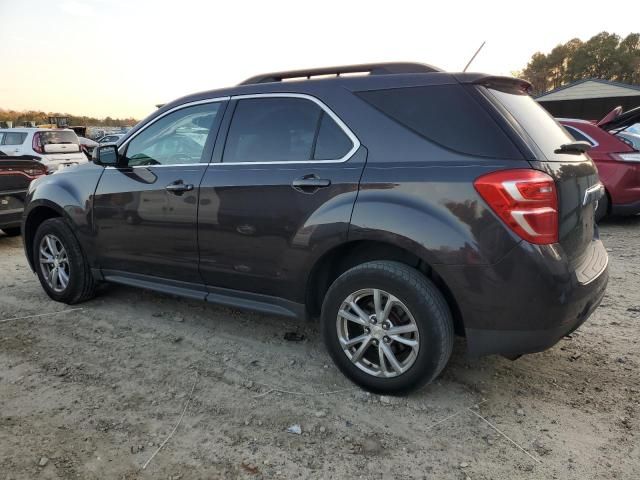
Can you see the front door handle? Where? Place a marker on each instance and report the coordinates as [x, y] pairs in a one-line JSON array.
[[179, 187], [310, 183]]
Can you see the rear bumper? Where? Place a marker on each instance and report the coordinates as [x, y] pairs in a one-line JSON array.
[[529, 300], [626, 209], [54, 163]]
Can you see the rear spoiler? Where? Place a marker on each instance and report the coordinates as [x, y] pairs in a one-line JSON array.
[[505, 84], [622, 121], [18, 157]]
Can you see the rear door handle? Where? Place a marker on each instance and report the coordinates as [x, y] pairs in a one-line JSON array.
[[310, 183], [179, 187]]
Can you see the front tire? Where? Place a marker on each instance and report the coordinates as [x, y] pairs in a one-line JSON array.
[[387, 327], [11, 232], [60, 264]]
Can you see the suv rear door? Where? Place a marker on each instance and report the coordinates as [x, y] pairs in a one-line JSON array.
[[280, 190], [145, 210]]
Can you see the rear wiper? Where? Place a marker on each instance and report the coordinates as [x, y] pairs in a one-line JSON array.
[[574, 148]]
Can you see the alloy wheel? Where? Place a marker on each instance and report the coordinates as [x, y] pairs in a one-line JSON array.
[[54, 263], [378, 333]]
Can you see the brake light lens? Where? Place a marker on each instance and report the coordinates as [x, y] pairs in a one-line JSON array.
[[36, 144], [35, 172], [526, 200]]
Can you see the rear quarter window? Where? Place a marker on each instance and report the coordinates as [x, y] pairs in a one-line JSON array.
[[14, 138], [447, 115]]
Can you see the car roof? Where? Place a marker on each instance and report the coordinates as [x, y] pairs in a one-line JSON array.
[[34, 129]]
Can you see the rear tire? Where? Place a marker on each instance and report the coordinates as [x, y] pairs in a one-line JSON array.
[[56, 247], [603, 207], [11, 232], [416, 330]]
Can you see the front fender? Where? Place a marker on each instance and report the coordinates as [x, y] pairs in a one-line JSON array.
[[69, 195]]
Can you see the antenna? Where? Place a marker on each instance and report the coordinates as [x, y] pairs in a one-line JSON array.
[[474, 56]]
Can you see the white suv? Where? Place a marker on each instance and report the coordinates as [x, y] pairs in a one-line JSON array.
[[55, 148]]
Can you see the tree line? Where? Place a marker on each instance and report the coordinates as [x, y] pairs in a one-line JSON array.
[[605, 56], [19, 117]]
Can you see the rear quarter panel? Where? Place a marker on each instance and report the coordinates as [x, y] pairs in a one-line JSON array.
[[420, 196]]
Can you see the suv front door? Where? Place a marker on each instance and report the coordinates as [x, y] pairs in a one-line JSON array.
[[145, 210], [282, 190]]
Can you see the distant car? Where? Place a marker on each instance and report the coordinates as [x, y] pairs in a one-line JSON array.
[[618, 162], [54, 148], [111, 138], [16, 173]]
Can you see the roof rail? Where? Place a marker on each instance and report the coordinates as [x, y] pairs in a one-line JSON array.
[[368, 68]]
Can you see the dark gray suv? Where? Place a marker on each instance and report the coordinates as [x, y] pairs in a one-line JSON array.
[[399, 203]]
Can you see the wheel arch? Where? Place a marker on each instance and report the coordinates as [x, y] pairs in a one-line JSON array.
[[341, 258], [37, 214]]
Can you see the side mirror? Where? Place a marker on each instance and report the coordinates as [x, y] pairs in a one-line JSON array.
[[106, 155]]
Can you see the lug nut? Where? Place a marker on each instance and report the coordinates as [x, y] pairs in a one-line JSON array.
[[367, 330], [375, 342], [386, 339], [386, 325], [372, 320]]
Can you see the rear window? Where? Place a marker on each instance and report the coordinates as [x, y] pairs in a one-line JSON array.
[[447, 115], [56, 137], [536, 121], [578, 135]]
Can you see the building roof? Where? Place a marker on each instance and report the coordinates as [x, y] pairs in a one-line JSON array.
[[590, 88]]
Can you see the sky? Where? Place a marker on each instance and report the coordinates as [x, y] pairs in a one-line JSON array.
[[119, 58]]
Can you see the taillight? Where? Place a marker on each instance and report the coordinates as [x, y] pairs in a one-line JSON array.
[[36, 144], [526, 200], [35, 172]]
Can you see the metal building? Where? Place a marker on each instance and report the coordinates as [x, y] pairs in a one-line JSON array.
[[590, 99]]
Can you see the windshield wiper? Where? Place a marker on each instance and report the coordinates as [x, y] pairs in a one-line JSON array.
[[574, 148]]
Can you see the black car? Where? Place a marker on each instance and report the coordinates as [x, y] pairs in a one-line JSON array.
[[16, 173], [398, 202]]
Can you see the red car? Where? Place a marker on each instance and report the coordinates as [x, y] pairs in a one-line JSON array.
[[16, 173], [617, 161]]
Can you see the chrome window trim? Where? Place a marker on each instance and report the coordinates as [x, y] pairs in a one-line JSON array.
[[174, 109], [162, 166], [325, 108], [347, 131]]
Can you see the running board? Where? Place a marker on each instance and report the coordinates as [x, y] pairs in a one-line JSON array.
[[220, 296]]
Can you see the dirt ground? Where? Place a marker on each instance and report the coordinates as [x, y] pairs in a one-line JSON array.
[[94, 390]]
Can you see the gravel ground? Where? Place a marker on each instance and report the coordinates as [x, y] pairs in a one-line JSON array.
[[94, 390]]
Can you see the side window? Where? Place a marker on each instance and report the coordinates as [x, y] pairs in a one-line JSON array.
[[177, 138], [577, 134], [272, 129], [14, 138], [332, 142]]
